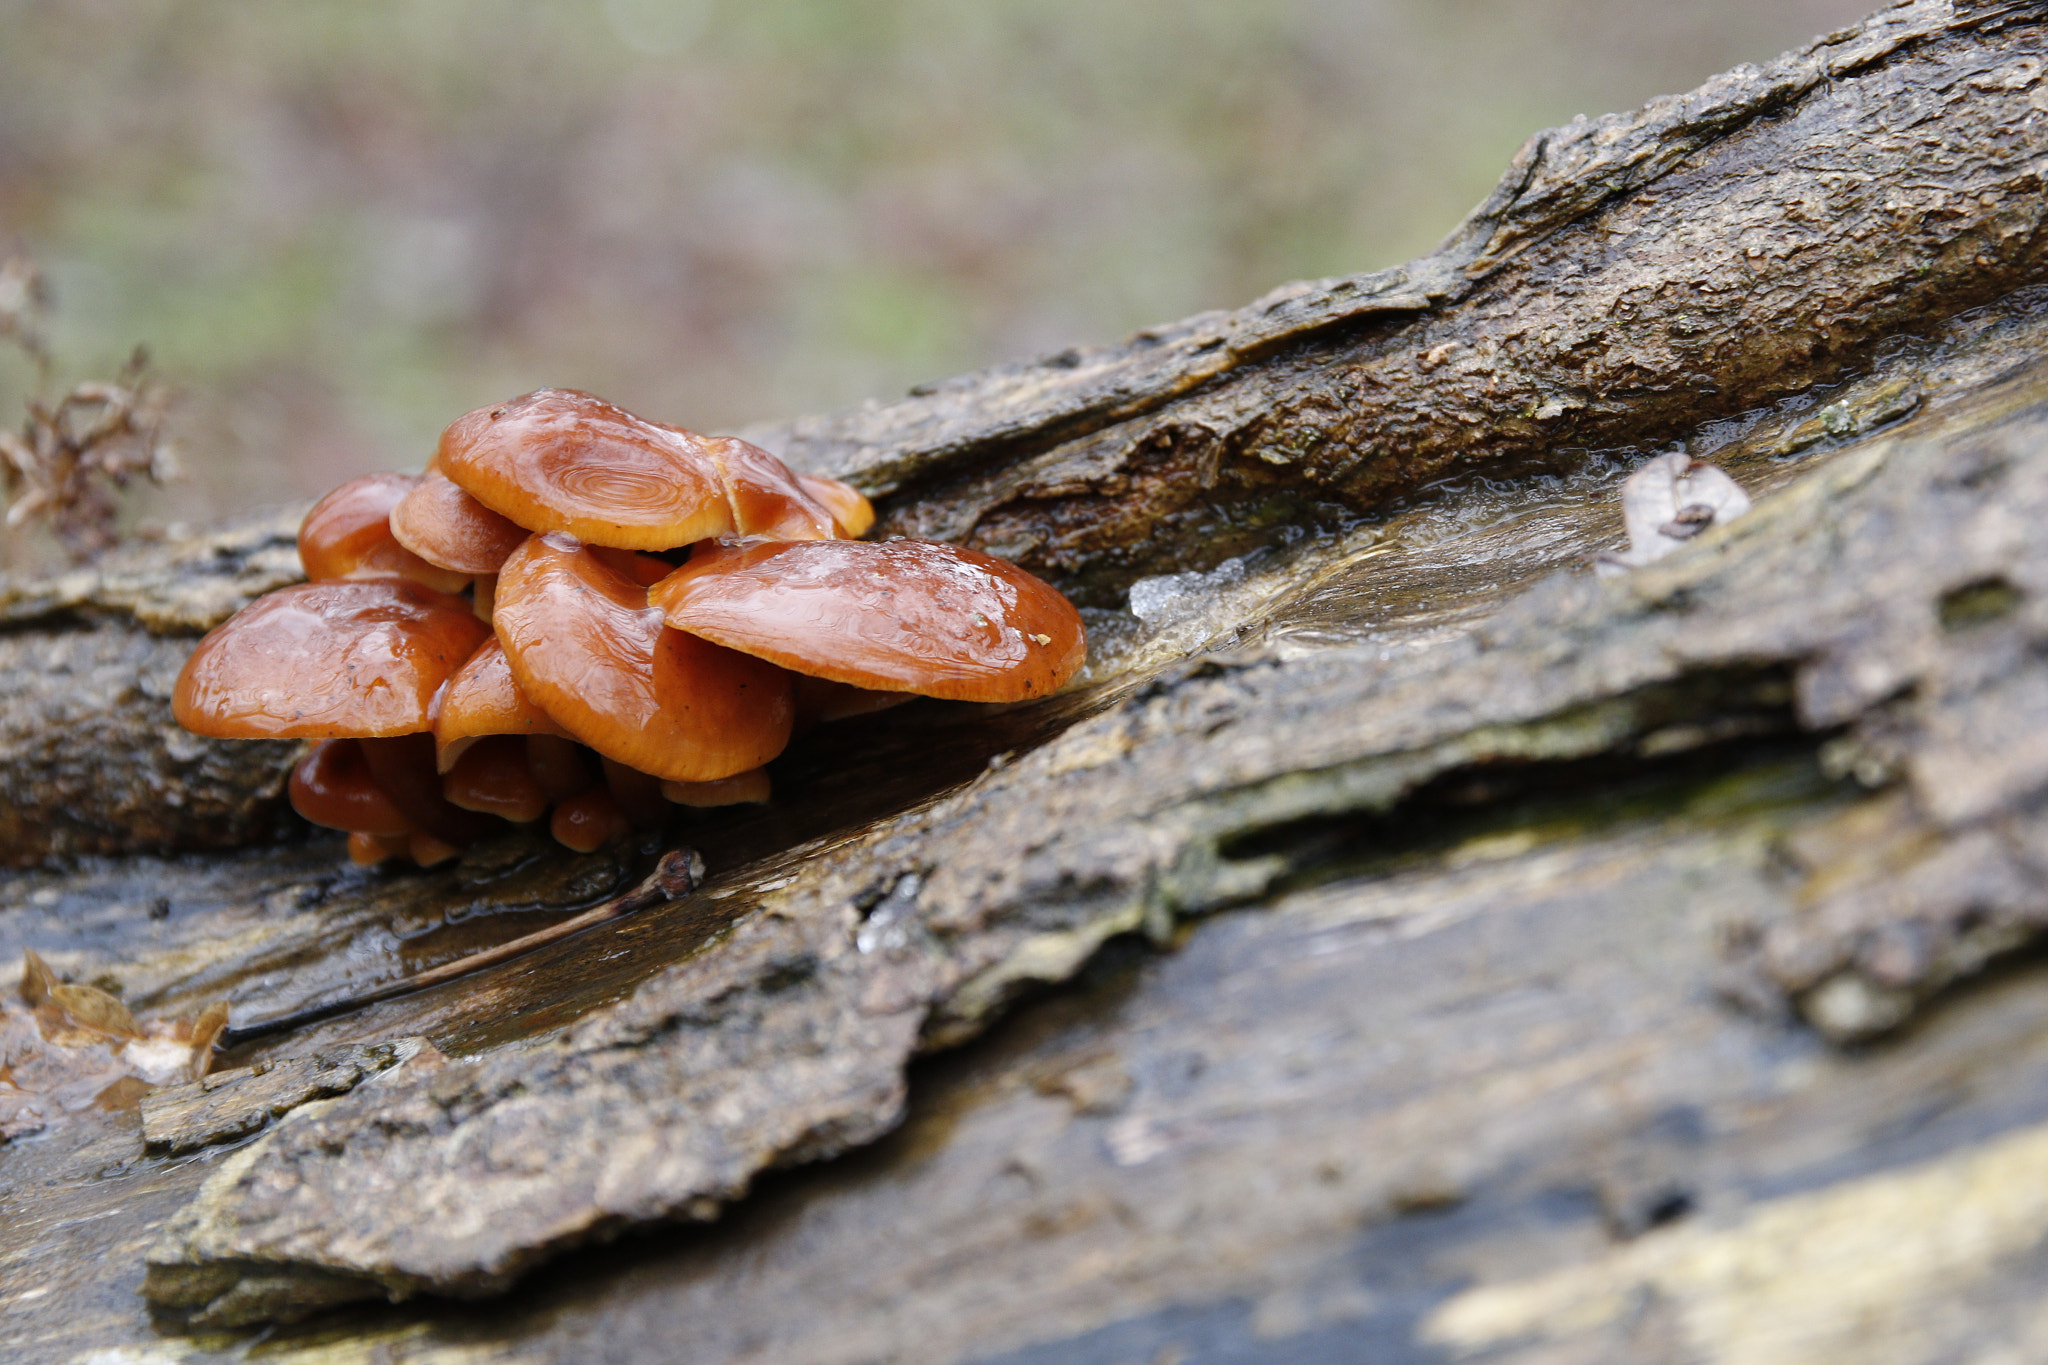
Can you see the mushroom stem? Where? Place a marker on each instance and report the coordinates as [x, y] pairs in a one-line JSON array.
[[679, 872]]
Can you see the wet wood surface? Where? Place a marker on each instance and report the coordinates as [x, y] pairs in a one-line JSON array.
[[1403, 944]]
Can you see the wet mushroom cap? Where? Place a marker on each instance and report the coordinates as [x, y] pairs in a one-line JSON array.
[[483, 699], [894, 616], [559, 460], [493, 777], [330, 660], [332, 786], [768, 498], [589, 820], [404, 767], [348, 535], [447, 527], [583, 644], [748, 788], [848, 505]]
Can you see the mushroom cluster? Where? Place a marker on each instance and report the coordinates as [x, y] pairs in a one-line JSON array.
[[579, 614]]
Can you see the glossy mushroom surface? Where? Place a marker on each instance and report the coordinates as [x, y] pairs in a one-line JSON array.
[[483, 699], [404, 767], [767, 497], [348, 535], [895, 616], [850, 508], [559, 460], [332, 786], [445, 526], [493, 777], [329, 660], [748, 788], [583, 644]]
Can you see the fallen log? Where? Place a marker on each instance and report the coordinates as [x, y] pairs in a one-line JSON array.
[[1519, 915]]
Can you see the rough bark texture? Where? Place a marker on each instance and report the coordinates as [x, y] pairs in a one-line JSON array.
[[1631, 276], [89, 755], [1465, 956]]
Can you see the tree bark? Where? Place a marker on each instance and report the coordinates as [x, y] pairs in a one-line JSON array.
[[1405, 940]]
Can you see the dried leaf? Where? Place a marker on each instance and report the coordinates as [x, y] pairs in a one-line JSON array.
[[70, 1048], [69, 458], [205, 1032], [36, 978], [88, 1007]]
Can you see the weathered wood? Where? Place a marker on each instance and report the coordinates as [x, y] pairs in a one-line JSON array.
[[1631, 277], [1511, 911]]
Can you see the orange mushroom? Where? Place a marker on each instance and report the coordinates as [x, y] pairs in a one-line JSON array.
[[566, 516], [482, 699], [351, 658], [767, 497], [493, 777], [898, 616], [583, 644], [849, 507], [348, 535], [332, 786], [559, 764], [404, 767], [819, 700], [741, 789], [589, 820], [445, 526], [368, 850], [559, 460], [638, 795]]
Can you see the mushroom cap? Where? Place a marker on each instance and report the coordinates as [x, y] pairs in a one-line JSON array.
[[493, 777], [483, 699], [582, 642], [768, 497], [559, 764], [848, 505], [404, 767], [894, 616], [447, 527], [332, 786], [559, 460], [741, 789], [589, 820], [638, 795], [331, 660], [348, 535]]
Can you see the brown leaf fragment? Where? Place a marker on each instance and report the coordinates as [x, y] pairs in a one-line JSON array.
[[205, 1032], [69, 1048], [36, 978], [76, 1015]]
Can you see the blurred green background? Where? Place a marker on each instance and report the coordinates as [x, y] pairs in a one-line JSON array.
[[339, 224]]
